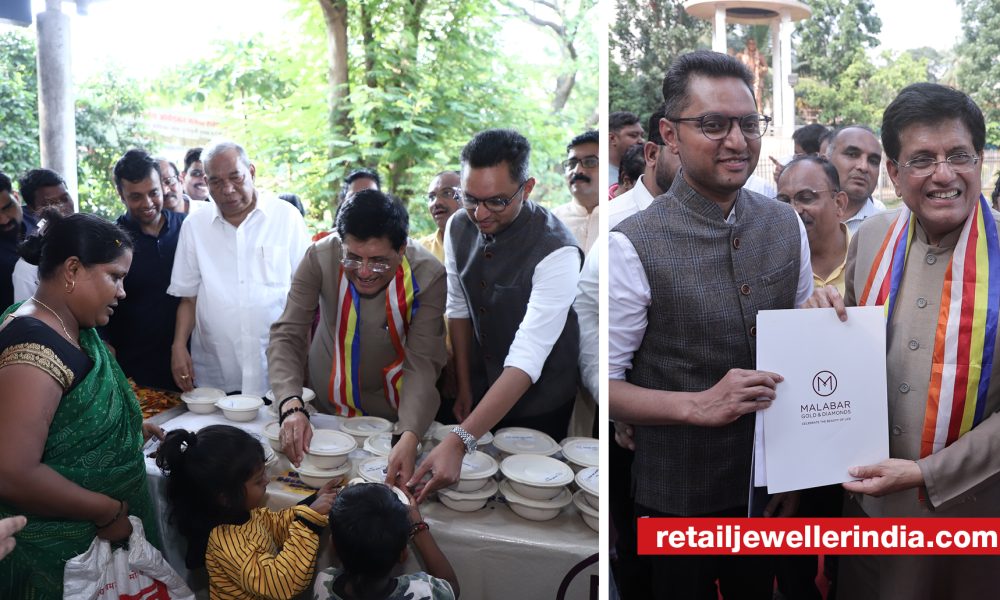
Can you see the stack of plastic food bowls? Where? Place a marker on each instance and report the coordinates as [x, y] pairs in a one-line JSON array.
[[520, 440], [373, 469], [587, 480], [315, 477], [380, 444], [240, 408], [307, 396], [428, 438], [477, 469], [202, 400], [468, 501], [361, 428], [330, 449], [581, 452], [590, 515], [535, 487], [445, 430], [532, 509]]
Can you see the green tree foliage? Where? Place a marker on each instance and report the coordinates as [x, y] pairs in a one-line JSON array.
[[860, 93], [979, 60], [108, 122], [108, 111], [826, 43], [645, 37], [423, 78], [18, 104]]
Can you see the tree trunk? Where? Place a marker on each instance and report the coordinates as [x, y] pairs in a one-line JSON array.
[[335, 13]]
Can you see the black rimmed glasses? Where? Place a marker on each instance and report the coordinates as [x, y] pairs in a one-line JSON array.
[[495, 204], [922, 166], [588, 162], [169, 180], [717, 126], [804, 197]]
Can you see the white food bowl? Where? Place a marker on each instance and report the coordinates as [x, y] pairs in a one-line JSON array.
[[364, 427], [590, 515], [272, 431], [330, 449], [477, 469], [380, 444], [445, 430], [535, 510], [468, 501], [582, 452], [202, 400], [536, 477], [373, 469], [240, 408], [520, 440], [315, 477], [587, 480], [307, 396]]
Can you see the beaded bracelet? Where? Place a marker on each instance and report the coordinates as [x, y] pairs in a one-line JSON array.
[[418, 527], [281, 404], [118, 515], [290, 412]]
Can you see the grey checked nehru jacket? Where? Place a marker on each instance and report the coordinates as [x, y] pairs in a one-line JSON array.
[[707, 280]]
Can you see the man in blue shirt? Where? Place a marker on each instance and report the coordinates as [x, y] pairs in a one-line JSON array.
[[142, 328]]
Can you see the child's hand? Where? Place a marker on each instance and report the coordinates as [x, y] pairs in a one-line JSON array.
[[413, 511], [325, 497]]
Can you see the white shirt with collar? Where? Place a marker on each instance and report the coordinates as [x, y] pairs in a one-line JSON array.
[[869, 208], [553, 288], [629, 296], [25, 280], [622, 207], [240, 277]]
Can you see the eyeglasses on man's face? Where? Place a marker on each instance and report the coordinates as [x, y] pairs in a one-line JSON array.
[[922, 166], [588, 162], [445, 193], [169, 180], [352, 264], [804, 197], [236, 179], [196, 173], [495, 204], [717, 126]]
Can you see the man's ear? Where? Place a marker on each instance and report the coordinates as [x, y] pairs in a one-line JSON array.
[[650, 150], [669, 133], [840, 199]]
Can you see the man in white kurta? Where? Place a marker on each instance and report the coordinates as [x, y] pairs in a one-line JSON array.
[[233, 269]]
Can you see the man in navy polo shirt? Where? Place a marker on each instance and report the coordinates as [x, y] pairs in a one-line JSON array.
[[13, 229], [142, 328]]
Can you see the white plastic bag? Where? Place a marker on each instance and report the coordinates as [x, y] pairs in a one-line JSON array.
[[139, 573]]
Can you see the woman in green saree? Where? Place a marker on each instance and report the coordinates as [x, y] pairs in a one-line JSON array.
[[71, 430]]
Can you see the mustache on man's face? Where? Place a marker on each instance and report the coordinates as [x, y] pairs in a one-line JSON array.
[[580, 177]]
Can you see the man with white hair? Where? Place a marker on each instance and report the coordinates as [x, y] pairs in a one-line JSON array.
[[232, 271]]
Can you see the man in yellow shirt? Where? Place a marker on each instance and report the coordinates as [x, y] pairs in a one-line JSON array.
[[442, 203], [811, 185]]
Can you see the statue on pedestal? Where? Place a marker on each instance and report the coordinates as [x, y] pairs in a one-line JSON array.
[[755, 61]]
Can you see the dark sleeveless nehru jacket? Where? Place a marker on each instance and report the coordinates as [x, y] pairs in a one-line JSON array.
[[496, 273], [707, 280]]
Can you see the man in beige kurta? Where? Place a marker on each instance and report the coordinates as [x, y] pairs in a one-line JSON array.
[[930, 135], [317, 284]]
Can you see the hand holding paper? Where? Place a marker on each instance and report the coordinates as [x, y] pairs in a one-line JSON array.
[[740, 392], [887, 477]]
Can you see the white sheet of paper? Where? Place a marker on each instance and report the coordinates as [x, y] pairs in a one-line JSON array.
[[830, 412]]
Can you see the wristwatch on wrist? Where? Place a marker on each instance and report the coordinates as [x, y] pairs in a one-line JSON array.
[[470, 442]]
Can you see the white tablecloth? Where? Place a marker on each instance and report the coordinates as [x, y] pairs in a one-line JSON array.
[[495, 553]]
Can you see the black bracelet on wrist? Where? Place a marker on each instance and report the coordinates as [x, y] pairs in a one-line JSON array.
[[281, 405], [290, 412], [118, 515], [418, 527]]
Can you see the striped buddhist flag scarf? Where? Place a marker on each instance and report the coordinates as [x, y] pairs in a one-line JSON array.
[[400, 306], [967, 322]]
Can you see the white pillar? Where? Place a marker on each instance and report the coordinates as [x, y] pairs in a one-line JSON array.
[[787, 93], [56, 120], [719, 39], [777, 75]]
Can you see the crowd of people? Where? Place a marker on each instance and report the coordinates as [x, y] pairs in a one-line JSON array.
[[694, 253], [206, 280]]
